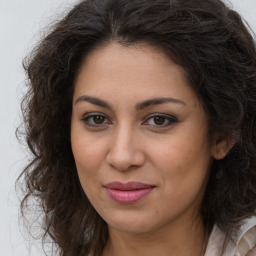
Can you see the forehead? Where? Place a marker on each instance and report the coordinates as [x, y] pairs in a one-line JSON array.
[[130, 68]]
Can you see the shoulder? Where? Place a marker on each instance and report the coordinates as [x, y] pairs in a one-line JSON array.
[[252, 252], [244, 245]]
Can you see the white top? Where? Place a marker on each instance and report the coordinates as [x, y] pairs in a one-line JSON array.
[[246, 240]]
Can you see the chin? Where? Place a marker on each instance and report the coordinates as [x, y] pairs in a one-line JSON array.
[[131, 224]]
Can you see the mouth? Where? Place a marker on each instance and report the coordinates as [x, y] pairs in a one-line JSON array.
[[128, 193]]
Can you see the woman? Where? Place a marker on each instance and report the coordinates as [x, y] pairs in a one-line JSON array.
[[141, 119]]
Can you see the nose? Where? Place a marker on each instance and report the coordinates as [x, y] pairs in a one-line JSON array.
[[125, 150]]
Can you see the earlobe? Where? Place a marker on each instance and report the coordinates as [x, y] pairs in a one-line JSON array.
[[221, 147]]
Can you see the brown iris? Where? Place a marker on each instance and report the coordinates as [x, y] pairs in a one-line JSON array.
[[159, 120], [98, 119]]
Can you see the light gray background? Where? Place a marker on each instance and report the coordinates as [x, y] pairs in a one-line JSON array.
[[20, 24]]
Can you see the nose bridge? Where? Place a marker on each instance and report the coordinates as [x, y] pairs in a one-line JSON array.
[[125, 150], [125, 135]]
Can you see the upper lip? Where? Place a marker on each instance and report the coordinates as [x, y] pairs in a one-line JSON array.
[[132, 185]]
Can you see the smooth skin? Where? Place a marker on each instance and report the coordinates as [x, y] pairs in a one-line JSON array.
[[136, 118]]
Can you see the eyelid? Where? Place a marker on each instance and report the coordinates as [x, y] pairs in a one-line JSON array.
[[91, 115], [170, 118]]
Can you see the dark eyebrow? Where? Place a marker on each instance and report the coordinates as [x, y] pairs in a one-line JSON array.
[[157, 101], [93, 100], [139, 106]]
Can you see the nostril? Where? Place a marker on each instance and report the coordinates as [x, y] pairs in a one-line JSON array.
[[125, 160]]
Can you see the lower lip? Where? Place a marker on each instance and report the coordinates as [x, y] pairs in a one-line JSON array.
[[128, 196]]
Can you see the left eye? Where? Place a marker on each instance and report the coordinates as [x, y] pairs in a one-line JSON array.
[[160, 120], [95, 120]]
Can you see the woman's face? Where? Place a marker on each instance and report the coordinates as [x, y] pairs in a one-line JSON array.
[[140, 139]]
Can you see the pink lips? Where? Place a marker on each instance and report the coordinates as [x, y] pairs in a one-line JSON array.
[[128, 193]]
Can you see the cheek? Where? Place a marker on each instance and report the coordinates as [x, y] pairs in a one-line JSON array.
[[184, 175], [184, 163], [87, 156], [182, 154], [87, 151], [87, 163]]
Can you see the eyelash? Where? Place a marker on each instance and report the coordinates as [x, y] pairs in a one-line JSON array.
[[168, 120], [89, 116]]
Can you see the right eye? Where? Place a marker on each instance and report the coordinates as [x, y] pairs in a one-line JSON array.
[[96, 120]]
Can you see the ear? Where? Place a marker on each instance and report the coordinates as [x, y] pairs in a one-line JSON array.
[[221, 146]]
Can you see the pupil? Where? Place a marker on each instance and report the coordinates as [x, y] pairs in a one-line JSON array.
[[98, 119], [159, 120]]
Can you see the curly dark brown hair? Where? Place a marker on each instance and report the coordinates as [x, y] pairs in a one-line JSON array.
[[217, 51]]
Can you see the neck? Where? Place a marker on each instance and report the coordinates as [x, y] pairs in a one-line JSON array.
[[169, 240]]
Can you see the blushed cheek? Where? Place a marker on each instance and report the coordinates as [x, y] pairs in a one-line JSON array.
[[88, 159], [173, 155], [183, 160], [87, 177], [84, 149]]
